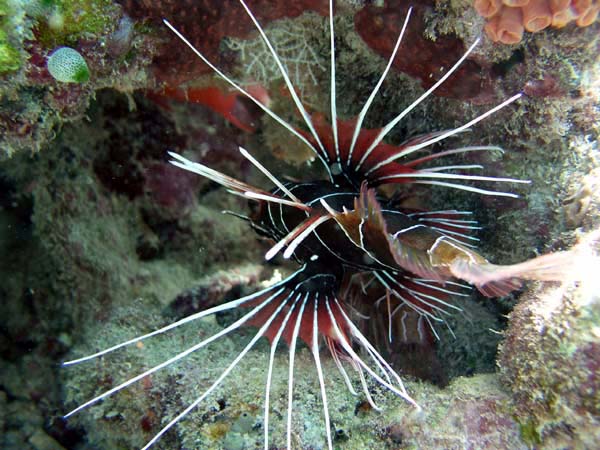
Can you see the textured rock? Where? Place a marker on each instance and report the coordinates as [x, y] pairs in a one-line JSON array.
[[550, 359]]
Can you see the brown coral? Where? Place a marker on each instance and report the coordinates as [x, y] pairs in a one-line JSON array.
[[507, 19]]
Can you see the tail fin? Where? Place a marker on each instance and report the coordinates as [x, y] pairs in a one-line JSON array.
[[495, 280]]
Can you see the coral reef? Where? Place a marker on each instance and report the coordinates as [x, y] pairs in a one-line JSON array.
[[508, 19], [102, 240], [206, 23], [550, 359]]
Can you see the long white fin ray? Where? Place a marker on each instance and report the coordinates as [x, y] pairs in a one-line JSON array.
[[315, 352], [274, 343], [453, 176], [332, 88], [367, 105], [357, 359], [454, 151], [287, 80], [236, 86], [175, 358], [234, 186], [196, 316], [385, 130], [293, 341], [463, 187], [221, 377], [414, 148], [246, 154]]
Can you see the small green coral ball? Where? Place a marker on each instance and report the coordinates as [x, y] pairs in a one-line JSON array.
[[67, 65]]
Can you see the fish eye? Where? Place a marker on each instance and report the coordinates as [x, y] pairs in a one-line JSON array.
[[335, 168]]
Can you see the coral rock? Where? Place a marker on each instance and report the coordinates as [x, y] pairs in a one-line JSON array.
[[551, 361]]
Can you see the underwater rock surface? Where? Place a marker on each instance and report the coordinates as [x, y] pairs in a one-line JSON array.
[[550, 358], [101, 240]]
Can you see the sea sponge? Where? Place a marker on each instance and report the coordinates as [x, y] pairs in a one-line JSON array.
[[507, 19], [67, 65], [506, 26], [537, 15], [488, 8]]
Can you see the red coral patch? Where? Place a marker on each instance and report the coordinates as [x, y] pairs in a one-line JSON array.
[[420, 57]]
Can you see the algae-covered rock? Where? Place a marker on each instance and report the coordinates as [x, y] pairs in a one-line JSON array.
[[11, 58], [33, 105], [550, 360]]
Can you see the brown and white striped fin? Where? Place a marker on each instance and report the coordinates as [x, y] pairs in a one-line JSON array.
[[394, 240], [494, 280], [430, 299], [365, 226], [295, 237], [499, 280], [234, 185], [454, 224]]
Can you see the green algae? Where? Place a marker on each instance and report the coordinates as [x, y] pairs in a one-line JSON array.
[[10, 57], [69, 20], [529, 433]]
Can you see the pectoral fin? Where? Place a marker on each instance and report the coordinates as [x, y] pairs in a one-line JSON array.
[[496, 280]]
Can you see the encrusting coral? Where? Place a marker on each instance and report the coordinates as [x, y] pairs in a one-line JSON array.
[[508, 19]]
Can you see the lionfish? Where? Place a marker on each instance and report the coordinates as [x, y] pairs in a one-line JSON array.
[[341, 227]]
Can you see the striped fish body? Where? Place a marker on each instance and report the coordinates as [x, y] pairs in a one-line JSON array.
[[377, 236], [327, 246], [369, 234]]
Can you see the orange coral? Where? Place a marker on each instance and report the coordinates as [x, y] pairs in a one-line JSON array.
[[507, 19]]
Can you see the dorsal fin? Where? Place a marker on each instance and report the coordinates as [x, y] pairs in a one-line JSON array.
[[365, 137]]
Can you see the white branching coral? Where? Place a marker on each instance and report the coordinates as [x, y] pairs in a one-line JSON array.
[[296, 42]]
